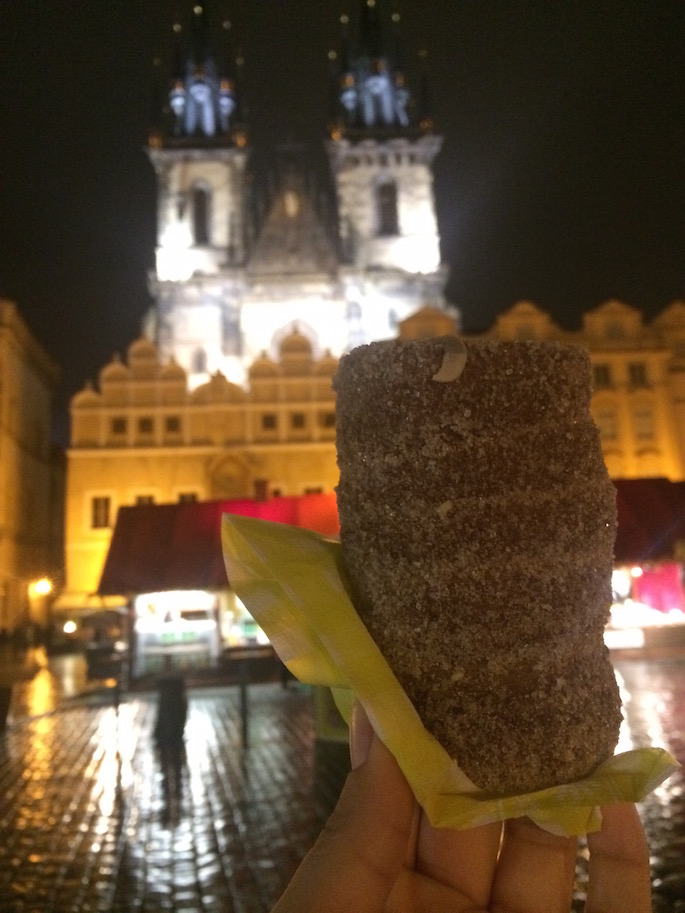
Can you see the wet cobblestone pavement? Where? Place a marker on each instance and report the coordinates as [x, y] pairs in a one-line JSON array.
[[88, 821], [654, 708]]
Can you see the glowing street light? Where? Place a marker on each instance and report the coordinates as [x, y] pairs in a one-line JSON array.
[[40, 587]]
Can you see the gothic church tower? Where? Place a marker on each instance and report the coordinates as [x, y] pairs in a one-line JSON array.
[[199, 150], [230, 284], [381, 150]]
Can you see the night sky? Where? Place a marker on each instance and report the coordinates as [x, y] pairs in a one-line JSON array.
[[561, 178]]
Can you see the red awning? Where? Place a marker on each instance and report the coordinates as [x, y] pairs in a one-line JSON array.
[[178, 546], [651, 520], [157, 547]]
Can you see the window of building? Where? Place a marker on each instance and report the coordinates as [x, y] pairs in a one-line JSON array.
[[601, 376], [388, 223], [327, 419], [172, 424], [200, 215], [261, 489], [187, 497], [145, 424], [269, 421], [118, 425], [297, 420], [100, 512], [637, 374], [614, 330], [145, 499], [607, 422], [643, 421]]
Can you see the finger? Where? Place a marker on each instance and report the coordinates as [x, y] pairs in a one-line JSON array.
[[462, 860], [453, 871], [619, 863], [357, 858], [361, 739], [535, 870]]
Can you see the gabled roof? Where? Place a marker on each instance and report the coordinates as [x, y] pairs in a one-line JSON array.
[[158, 547], [293, 239], [651, 520]]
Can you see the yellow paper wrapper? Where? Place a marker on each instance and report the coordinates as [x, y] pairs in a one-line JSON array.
[[291, 581]]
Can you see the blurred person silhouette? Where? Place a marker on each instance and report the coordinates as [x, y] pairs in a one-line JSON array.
[[379, 854], [172, 711]]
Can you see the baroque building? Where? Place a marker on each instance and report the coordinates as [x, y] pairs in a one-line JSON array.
[[31, 475], [144, 437], [638, 398]]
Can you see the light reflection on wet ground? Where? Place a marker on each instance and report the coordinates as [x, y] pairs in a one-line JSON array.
[[46, 683], [88, 820], [654, 707]]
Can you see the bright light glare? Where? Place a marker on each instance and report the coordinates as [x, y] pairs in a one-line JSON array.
[[631, 614], [621, 582], [174, 601], [69, 627], [42, 587], [172, 610]]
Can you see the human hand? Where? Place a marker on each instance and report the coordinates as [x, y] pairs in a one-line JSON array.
[[379, 854]]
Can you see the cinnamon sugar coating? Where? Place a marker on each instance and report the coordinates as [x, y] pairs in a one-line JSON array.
[[477, 530]]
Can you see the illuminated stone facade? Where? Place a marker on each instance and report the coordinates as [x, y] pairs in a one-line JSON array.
[[30, 480], [346, 259], [143, 436], [639, 381]]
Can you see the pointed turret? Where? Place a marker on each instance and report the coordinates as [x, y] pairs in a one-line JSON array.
[[373, 93], [203, 102], [381, 150], [370, 31]]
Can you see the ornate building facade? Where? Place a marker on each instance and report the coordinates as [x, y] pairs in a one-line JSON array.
[[639, 381], [143, 437], [232, 277]]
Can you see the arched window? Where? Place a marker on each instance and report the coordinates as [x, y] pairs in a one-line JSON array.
[[200, 215], [387, 208]]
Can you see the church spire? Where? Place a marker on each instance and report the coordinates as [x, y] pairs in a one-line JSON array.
[[370, 31], [373, 94], [203, 104]]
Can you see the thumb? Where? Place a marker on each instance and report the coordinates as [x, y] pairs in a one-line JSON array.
[[356, 860]]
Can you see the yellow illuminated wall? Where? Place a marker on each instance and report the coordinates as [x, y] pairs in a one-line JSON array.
[[638, 380], [30, 496], [143, 436]]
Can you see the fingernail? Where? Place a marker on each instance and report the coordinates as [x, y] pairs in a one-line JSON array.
[[361, 736]]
